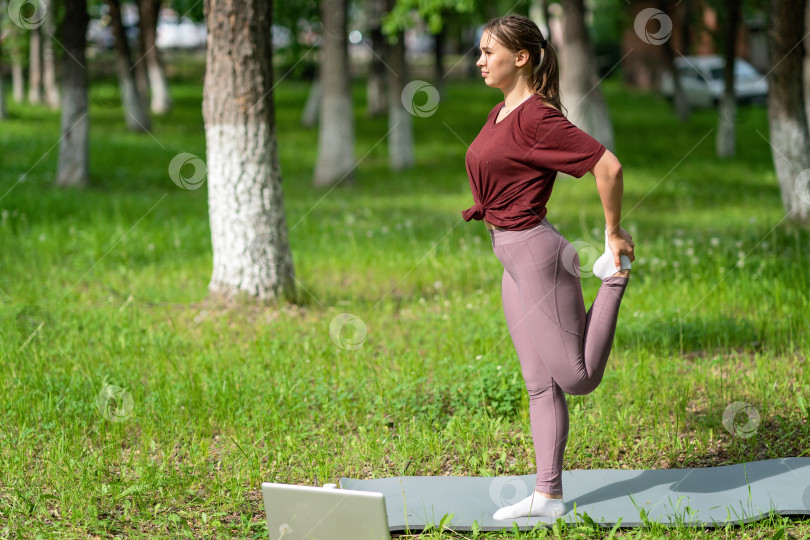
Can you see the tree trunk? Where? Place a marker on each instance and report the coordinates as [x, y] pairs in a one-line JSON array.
[[17, 75], [377, 103], [787, 120], [74, 144], [579, 81], [807, 62], [309, 118], [727, 108], [439, 40], [135, 115], [683, 110], [686, 25], [546, 18], [13, 43], [248, 227], [35, 67], [49, 59], [139, 67], [679, 99], [538, 12], [400, 120], [336, 118], [161, 98], [3, 112]]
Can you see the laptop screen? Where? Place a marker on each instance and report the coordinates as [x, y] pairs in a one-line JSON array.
[[314, 513]]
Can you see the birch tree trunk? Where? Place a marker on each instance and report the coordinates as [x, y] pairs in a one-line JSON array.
[[14, 45], [727, 108], [376, 100], [49, 59], [35, 66], [14, 49], [17, 75], [248, 227], [135, 115], [787, 120], [579, 80], [309, 117], [161, 102], [336, 116], [400, 121], [74, 143]]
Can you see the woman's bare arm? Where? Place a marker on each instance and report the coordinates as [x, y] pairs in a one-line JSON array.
[[610, 184]]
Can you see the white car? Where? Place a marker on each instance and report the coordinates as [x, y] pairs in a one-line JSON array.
[[174, 32], [702, 81]]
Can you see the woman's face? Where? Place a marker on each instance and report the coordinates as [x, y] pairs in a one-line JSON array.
[[497, 63]]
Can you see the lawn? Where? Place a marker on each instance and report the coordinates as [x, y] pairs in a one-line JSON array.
[[142, 409]]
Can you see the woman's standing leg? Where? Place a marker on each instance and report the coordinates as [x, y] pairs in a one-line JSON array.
[[548, 409]]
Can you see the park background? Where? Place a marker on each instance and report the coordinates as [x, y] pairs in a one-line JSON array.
[[164, 350]]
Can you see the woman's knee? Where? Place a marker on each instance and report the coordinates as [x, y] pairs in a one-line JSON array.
[[579, 387], [578, 390], [537, 383]]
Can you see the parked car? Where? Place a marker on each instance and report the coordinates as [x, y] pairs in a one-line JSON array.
[[702, 81], [176, 32]]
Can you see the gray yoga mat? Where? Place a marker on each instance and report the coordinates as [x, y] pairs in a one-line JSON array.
[[706, 497]]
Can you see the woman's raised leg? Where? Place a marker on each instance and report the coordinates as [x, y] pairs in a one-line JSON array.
[[573, 344]]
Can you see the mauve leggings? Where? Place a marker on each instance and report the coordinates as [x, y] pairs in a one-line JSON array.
[[561, 348]]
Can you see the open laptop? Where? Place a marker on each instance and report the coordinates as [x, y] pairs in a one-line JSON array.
[[314, 513]]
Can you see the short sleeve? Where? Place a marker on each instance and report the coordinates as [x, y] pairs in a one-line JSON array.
[[561, 146]]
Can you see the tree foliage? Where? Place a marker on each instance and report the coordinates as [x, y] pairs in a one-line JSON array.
[[433, 12]]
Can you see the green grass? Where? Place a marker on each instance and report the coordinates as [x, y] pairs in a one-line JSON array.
[[224, 398]]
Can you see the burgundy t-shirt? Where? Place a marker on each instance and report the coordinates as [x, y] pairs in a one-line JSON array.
[[512, 165]]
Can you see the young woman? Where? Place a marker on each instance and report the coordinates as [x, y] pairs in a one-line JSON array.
[[512, 165]]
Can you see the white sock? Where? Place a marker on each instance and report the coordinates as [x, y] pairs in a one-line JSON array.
[[534, 505], [605, 267]]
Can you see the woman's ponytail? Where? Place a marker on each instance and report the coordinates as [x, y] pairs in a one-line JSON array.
[[545, 78]]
